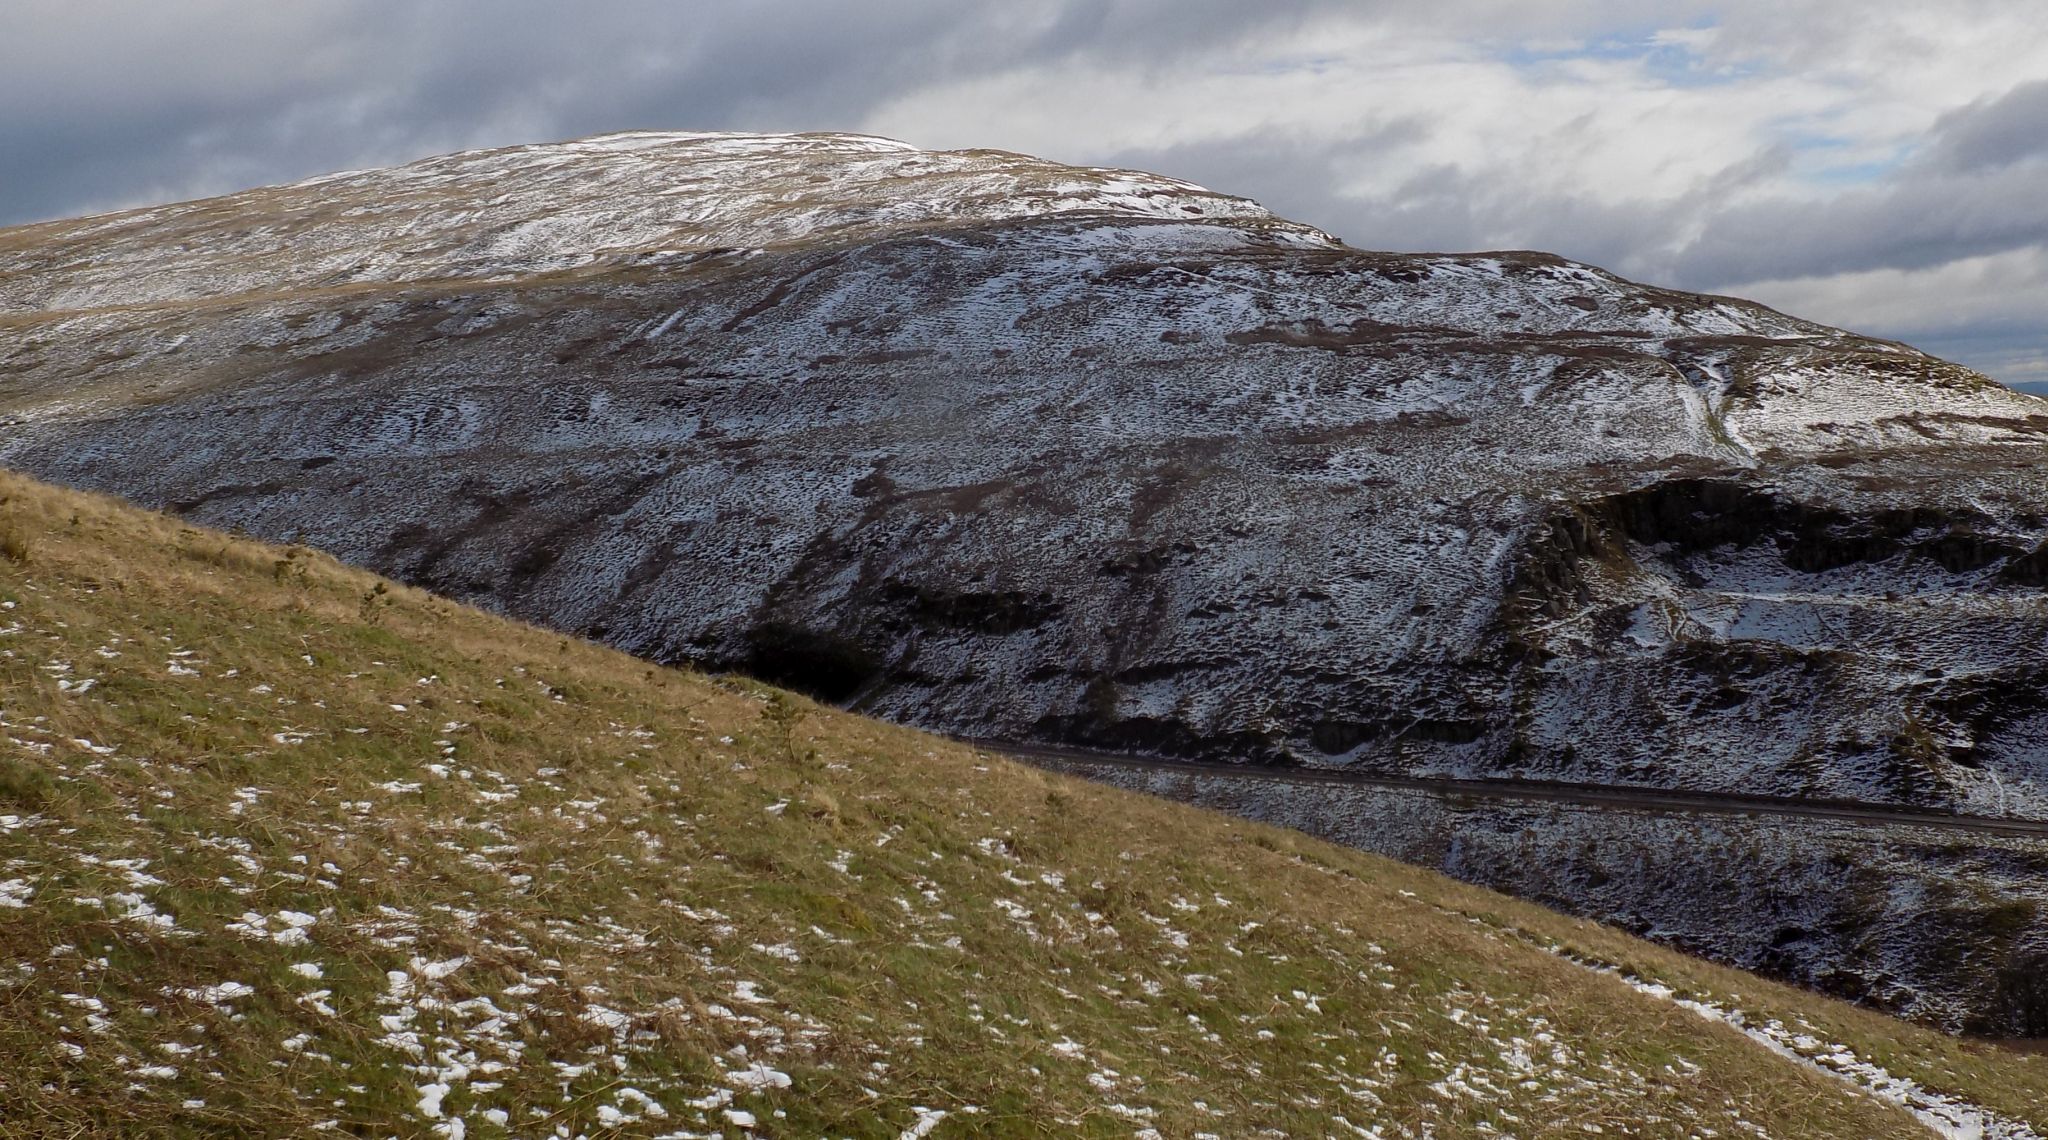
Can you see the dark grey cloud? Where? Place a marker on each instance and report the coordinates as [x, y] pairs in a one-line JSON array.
[[1978, 188], [374, 82], [371, 83], [1914, 223], [1988, 135]]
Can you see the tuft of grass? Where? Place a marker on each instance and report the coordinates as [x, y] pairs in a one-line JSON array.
[[14, 543], [25, 786], [284, 868]]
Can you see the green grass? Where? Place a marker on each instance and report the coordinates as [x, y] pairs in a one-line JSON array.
[[582, 893]]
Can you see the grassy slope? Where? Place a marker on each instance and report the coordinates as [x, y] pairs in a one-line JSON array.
[[569, 886]]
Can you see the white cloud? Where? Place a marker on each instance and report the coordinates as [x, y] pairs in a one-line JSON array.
[[1987, 312]]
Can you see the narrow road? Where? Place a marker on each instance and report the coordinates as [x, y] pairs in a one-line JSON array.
[[1074, 760]]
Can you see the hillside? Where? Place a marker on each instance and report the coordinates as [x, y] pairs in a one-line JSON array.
[[1022, 451], [284, 849]]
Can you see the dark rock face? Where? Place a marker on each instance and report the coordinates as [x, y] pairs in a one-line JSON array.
[[1021, 451]]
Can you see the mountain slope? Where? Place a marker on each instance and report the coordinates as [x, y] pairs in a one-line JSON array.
[[1025, 452], [283, 848]]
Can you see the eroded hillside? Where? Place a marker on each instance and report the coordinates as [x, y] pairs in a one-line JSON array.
[[1027, 452], [285, 849]]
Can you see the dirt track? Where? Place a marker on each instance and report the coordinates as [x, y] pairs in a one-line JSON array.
[[1077, 761]]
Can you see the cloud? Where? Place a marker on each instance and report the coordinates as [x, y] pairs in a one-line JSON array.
[[1990, 135], [1828, 153], [107, 103], [1978, 187], [1985, 312]]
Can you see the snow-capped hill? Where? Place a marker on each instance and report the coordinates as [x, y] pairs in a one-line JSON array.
[[1029, 452], [529, 210]]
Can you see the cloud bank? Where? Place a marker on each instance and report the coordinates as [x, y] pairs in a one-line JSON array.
[[1884, 168]]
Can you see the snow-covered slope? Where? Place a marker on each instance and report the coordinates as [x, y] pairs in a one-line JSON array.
[[644, 197], [1026, 451]]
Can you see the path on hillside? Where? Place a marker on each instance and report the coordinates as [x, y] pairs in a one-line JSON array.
[[1073, 760]]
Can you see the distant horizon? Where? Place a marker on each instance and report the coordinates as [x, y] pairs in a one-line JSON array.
[[1879, 170]]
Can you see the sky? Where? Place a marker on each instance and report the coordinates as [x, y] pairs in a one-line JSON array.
[[1883, 167]]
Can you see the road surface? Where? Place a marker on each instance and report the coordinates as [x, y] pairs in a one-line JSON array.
[[1073, 760]]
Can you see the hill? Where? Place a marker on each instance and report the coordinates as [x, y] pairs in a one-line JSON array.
[[286, 848], [1023, 451]]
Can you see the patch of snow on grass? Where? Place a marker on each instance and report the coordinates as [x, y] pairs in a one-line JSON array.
[[927, 1119], [1947, 1116], [758, 1077]]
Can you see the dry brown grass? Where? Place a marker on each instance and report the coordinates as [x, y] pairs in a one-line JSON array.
[[14, 544]]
